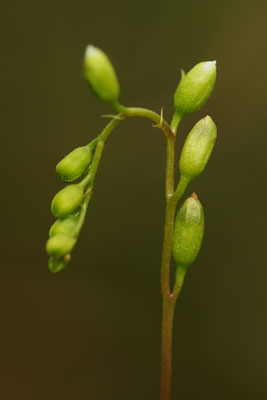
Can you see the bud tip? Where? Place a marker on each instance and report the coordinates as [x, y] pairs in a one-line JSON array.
[[214, 62], [194, 195], [90, 49]]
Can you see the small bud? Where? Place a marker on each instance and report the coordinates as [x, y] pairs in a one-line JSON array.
[[195, 88], [57, 264], [188, 232], [67, 200], [100, 74], [75, 164], [59, 245], [198, 148], [65, 226]]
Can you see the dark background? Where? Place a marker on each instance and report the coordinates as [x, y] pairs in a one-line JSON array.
[[93, 331]]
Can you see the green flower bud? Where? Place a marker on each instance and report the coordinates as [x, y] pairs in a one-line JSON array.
[[195, 88], [67, 200], [100, 74], [188, 232], [198, 148], [59, 245], [75, 164], [57, 264], [65, 226]]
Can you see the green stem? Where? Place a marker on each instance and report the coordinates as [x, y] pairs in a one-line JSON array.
[[175, 122], [168, 308], [145, 113], [88, 182], [179, 280], [101, 139], [167, 303], [182, 185], [83, 210], [99, 142], [169, 298], [169, 219], [166, 348], [93, 143]]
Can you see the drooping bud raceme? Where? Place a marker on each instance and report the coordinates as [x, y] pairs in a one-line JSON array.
[[75, 164], [65, 226], [195, 88], [59, 245], [67, 200], [198, 148], [188, 232], [101, 76]]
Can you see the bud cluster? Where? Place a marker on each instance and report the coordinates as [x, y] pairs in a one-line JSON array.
[[66, 207], [63, 233], [193, 91], [191, 94]]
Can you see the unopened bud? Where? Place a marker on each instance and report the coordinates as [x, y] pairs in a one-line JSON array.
[[57, 264], [75, 164], [188, 232], [101, 76], [59, 245], [67, 200], [198, 148], [65, 226], [195, 88]]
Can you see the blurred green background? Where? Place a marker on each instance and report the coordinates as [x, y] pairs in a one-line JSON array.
[[93, 331]]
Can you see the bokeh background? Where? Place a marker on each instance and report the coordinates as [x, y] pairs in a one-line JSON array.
[[93, 331]]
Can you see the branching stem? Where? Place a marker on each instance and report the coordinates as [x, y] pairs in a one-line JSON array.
[[172, 196], [99, 142]]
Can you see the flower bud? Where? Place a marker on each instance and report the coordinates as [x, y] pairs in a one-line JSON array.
[[65, 226], [195, 88], [75, 164], [59, 245], [67, 200], [188, 232], [57, 264], [100, 74], [198, 148]]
